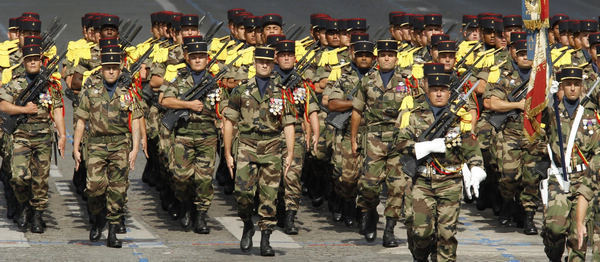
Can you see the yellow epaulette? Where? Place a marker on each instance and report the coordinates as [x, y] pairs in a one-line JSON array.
[[300, 50], [247, 57], [9, 44], [330, 57], [488, 58], [566, 59], [7, 74], [417, 71], [464, 48], [51, 52], [466, 120], [87, 74], [5, 56], [216, 44], [160, 54], [251, 71], [407, 104], [494, 75], [406, 58], [171, 72], [336, 72]]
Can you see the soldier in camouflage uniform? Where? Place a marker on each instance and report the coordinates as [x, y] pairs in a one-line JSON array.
[[437, 189], [560, 225], [305, 110], [32, 141], [110, 108], [519, 181], [195, 142], [261, 113], [378, 100], [346, 164]]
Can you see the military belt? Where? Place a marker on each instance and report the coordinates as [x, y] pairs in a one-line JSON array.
[[260, 135], [381, 128], [106, 139], [33, 126]]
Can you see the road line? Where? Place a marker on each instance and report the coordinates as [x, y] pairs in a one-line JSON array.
[[10, 236], [137, 235], [54, 171], [278, 239]]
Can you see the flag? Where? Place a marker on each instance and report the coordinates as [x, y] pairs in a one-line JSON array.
[[535, 17]]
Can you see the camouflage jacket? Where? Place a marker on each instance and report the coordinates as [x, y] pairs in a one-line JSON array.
[[508, 81], [50, 99], [461, 147], [181, 84], [301, 96], [175, 57], [256, 114], [89, 64], [105, 115], [380, 105], [341, 88]]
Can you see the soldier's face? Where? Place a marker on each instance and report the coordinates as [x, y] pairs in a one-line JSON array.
[[387, 60], [250, 36], [472, 34], [489, 37], [155, 30], [286, 60], [584, 39], [111, 73], [510, 29], [197, 61], [500, 41], [434, 54], [406, 33], [189, 31], [32, 64], [264, 67], [564, 39], [363, 60], [272, 29], [323, 37], [345, 38], [13, 34], [240, 33], [333, 38], [572, 88], [556, 32], [432, 30], [23, 34], [448, 59], [109, 32], [522, 60], [396, 32], [438, 95]]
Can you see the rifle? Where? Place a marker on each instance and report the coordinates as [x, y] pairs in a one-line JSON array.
[[173, 117], [464, 58], [55, 149], [137, 65], [455, 89], [31, 94], [214, 31], [438, 129], [497, 120], [129, 36]]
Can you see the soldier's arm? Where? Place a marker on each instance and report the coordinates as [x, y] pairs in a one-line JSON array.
[[13, 109], [471, 151], [79, 129], [500, 105]]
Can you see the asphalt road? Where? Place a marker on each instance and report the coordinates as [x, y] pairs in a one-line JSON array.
[[152, 236]]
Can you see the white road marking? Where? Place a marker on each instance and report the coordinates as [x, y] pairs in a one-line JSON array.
[[54, 171], [235, 226], [10, 236], [137, 235]]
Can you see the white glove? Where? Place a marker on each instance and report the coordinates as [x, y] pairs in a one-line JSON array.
[[477, 176], [554, 87], [422, 149], [467, 180], [544, 191]]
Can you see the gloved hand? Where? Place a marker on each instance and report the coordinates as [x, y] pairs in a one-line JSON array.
[[467, 180], [477, 176], [544, 191], [422, 149]]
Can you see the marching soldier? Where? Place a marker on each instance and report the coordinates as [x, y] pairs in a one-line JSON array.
[[32, 140], [377, 101], [107, 104], [437, 187], [261, 112], [195, 142]]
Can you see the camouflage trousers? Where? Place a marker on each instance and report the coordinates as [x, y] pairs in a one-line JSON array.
[[595, 233], [518, 180], [165, 149], [382, 163], [258, 167], [436, 206], [559, 222], [30, 166], [108, 176], [346, 167], [194, 161], [291, 181]]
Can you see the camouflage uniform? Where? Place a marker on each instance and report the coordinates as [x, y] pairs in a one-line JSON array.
[[108, 144], [559, 219], [32, 146], [379, 106], [194, 148], [258, 156], [436, 196]]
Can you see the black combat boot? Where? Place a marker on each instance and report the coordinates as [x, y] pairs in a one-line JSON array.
[[247, 234], [364, 221], [290, 228], [112, 240], [265, 247], [122, 229], [37, 222], [389, 240], [185, 216], [23, 216], [12, 206], [98, 222], [371, 230], [200, 225], [335, 205], [349, 212], [506, 212], [529, 228]]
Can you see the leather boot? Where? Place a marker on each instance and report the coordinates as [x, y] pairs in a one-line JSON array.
[[185, 217], [349, 212], [290, 228], [529, 227], [247, 234], [112, 240], [12, 206], [200, 223], [389, 240], [371, 230], [506, 212], [265, 247], [122, 229], [336, 207], [23, 216], [98, 222], [37, 222], [364, 221]]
